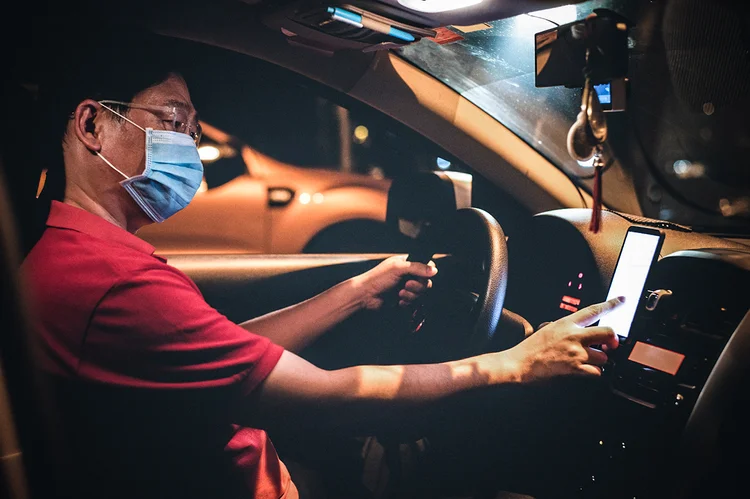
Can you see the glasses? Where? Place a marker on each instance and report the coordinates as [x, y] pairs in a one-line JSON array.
[[176, 118]]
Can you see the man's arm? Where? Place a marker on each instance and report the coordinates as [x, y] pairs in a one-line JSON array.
[[297, 326], [364, 398]]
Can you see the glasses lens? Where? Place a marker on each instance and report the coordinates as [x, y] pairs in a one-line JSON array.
[[182, 125]]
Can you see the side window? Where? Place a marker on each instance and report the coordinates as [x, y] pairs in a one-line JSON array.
[[300, 166]]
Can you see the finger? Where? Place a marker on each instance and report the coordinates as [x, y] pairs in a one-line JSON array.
[[596, 357], [600, 336], [415, 286], [588, 369], [592, 313], [418, 269], [407, 295]]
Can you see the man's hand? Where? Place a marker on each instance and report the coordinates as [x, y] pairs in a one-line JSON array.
[[390, 274], [565, 346]]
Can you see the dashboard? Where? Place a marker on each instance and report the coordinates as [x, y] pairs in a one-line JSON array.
[[669, 415]]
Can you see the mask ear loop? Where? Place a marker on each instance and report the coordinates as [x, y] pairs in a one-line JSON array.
[[129, 121], [111, 165]]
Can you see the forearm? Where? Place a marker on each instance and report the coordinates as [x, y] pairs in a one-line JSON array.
[[297, 326], [364, 399]]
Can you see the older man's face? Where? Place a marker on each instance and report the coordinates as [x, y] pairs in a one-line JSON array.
[[125, 143]]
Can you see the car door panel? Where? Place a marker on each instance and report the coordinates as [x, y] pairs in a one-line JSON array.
[[204, 227], [246, 286]]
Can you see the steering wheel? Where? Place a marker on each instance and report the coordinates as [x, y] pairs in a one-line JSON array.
[[469, 289]]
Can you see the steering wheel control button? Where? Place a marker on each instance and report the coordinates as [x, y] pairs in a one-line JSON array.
[[654, 297]]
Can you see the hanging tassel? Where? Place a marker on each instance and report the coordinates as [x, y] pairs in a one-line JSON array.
[[596, 209]]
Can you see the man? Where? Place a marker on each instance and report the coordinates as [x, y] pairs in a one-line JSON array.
[[160, 394]]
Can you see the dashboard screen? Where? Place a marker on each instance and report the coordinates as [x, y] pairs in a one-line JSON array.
[[637, 254], [657, 358]]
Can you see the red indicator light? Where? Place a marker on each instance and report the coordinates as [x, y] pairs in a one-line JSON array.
[[580, 286], [570, 283], [571, 308], [571, 300], [580, 276]]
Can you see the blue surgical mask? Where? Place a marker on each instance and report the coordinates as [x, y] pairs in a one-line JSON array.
[[173, 173]]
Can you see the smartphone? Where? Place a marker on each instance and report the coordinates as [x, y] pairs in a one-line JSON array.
[[639, 252], [612, 95]]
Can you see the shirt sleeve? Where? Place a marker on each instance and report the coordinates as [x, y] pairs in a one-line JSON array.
[[153, 329]]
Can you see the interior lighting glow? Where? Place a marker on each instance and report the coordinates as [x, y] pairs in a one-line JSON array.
[[209, 153], [432, 6], [305, 198], [318, 198], [443, 163], [527, 24]]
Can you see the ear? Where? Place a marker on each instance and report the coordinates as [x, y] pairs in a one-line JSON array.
[[84, 125]]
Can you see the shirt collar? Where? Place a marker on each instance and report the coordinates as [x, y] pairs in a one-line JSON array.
[[65, 216]]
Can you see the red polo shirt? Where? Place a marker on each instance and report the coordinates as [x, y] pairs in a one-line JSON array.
[[149, 378]]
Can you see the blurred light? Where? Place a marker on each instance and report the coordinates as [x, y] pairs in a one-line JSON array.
[[681, 166], [437, 5], [589, 163], [377, 172], [361, 133], [279, 196], [443, 164], [42, 183], [203, 187], [730, 208], [318, 198], [666, 213], [209, 153], [305, 198], [531, 23], [685, 169]]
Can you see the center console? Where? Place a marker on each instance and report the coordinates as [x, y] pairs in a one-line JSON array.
[[694, 303]]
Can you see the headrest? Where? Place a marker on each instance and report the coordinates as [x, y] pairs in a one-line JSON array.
[[422, 198]]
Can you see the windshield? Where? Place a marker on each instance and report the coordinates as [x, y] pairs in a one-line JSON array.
[[680, 147]]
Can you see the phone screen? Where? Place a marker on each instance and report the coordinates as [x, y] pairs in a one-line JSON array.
[[637, 254], [604, 93]]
